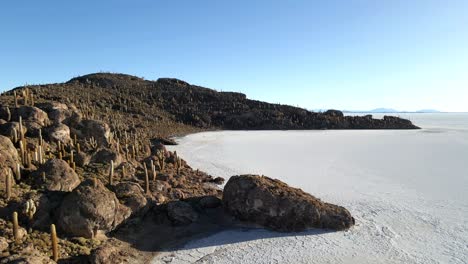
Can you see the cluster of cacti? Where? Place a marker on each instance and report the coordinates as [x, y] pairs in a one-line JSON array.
[[30, 209], [27, 95], [92, 143]]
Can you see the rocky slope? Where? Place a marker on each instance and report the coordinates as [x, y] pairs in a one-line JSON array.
[[88, 157], [182, 106]]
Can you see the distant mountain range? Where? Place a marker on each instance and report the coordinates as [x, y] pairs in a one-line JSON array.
[[391, 110]]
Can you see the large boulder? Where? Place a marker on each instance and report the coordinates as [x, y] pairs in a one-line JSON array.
[[273, 204], [59, 176], [31, 114], [91, 209], [61, 113], [8, 154], [181, 213], [59, 132], [132, 195], [8, 129], [98, 130], [105, 156]]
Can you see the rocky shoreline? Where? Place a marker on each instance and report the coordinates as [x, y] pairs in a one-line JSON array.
[[92, 167]]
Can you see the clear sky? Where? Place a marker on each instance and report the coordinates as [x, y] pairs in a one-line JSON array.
[[342, 54]]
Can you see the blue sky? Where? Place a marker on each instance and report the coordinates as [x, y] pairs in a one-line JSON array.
[[347, 54]]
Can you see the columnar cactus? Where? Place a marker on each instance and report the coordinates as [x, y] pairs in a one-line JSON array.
[[15, 226], [18, 172], [111, 173], [8, 183], [53, 238], [147, 189], [30, 209]]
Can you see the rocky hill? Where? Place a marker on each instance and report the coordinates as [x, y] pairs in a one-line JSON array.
[[85, 176], [179, 106]]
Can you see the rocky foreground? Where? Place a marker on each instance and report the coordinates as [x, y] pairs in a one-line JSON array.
[[85, 176]]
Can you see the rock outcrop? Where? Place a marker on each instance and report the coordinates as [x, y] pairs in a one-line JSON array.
[[275, 205], [8, 153], [59, 176], [90, 209]]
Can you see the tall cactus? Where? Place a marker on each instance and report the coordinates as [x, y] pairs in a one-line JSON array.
[[53, 238], [15, 227]]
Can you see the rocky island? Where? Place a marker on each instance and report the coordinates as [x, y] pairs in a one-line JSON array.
[[85, 176]]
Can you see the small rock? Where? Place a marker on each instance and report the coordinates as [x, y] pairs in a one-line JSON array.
[[218, 180]]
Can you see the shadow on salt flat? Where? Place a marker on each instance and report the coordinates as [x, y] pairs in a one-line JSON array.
[[241, 235]]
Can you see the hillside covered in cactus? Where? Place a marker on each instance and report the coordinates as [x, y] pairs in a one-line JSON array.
[[174, 104], [85, 176]]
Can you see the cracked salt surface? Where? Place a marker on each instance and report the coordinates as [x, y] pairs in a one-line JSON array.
[[406, 189]]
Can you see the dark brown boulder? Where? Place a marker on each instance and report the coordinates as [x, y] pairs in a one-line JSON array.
[[59, 132], [31, 114], [181, 213], [91, 209], [210, 202], [8, 129], [274, 204], [82, 159], [59, 176], [98, 130], [105, 156], [132, 195], [334, 113]]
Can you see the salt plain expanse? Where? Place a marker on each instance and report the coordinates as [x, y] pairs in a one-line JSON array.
[[407, 189]]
